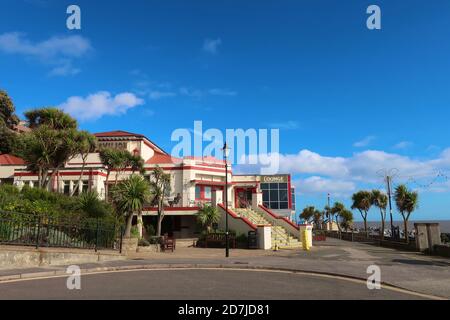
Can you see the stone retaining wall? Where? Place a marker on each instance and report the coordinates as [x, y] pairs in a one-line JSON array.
[[23, 257]]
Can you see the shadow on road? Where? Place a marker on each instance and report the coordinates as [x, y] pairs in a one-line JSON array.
[[422, 262]]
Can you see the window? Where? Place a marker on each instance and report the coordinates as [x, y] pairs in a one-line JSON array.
[[66, 188], [293, 198], [207, 192], [264, 186], [283, 195], [284, 205], [204, 192], [198, 192], [85, 187], [276, 195]]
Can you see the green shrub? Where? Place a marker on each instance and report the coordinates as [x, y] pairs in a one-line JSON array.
[[134, 232], [35, 201], [242, 239], [150, 229]]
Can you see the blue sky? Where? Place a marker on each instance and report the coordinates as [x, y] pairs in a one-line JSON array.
[[348, 101]]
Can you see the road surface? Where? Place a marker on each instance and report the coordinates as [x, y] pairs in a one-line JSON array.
[[199, 284]]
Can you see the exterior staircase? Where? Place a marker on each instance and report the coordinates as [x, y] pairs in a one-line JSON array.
[[280, 237]]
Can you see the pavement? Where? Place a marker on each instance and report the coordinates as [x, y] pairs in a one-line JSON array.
[[343, 260]]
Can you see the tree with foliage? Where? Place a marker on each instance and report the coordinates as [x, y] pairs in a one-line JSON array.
[[7, 111], [119, 160], [380, 200], [86, 143], [50, 145], [346, 219], [8, 120], [160, 186], [362, 200], [90, 203], [311, 214], [207, 216], [7, 139], [308, 213], [50, 117], [46, 151], [136, 163], [407, 202], [336, 211], [130, 196]]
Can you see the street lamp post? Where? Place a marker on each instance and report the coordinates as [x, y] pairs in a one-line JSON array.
[[226, 153]]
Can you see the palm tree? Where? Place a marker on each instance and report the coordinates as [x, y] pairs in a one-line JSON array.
[[86, 144], [346, 219], [362, 201], [308, 213], [130, 196], [207, 216], [160, 186], [318, 219], [336, 211], [380, 200], [407, 202], [136, 163], [90, 203]]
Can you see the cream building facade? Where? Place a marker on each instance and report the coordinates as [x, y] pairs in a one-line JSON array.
[[194, 181]]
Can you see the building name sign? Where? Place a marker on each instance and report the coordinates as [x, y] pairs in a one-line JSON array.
[[274, 179], [114, 145]]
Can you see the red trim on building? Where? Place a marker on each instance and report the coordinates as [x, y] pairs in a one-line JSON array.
[[209, 183], [31, 174], [172, 209]]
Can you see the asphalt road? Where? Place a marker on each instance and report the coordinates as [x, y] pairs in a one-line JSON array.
[[198, 284]]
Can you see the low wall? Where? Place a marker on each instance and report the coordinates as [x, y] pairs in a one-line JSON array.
[[442, 250], [239, 224], [24, 257], [362, 237], [280, 221]]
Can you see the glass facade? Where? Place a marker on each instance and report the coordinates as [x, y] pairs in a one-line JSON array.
[[293, 198], [275, 195]]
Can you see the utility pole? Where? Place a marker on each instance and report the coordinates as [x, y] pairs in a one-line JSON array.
[[330, 225], [388, 181]]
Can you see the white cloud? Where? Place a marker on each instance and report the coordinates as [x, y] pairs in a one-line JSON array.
[[319, 185], [100, 104], [58, 52], [364, 142], [288, 125], [308, 162], [156, 95], [342, 174], [222, 92], [403, 145], [212, 45], [195, 93]]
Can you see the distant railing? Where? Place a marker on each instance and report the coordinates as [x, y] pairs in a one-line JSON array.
[[367, 237], [44, 231]]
